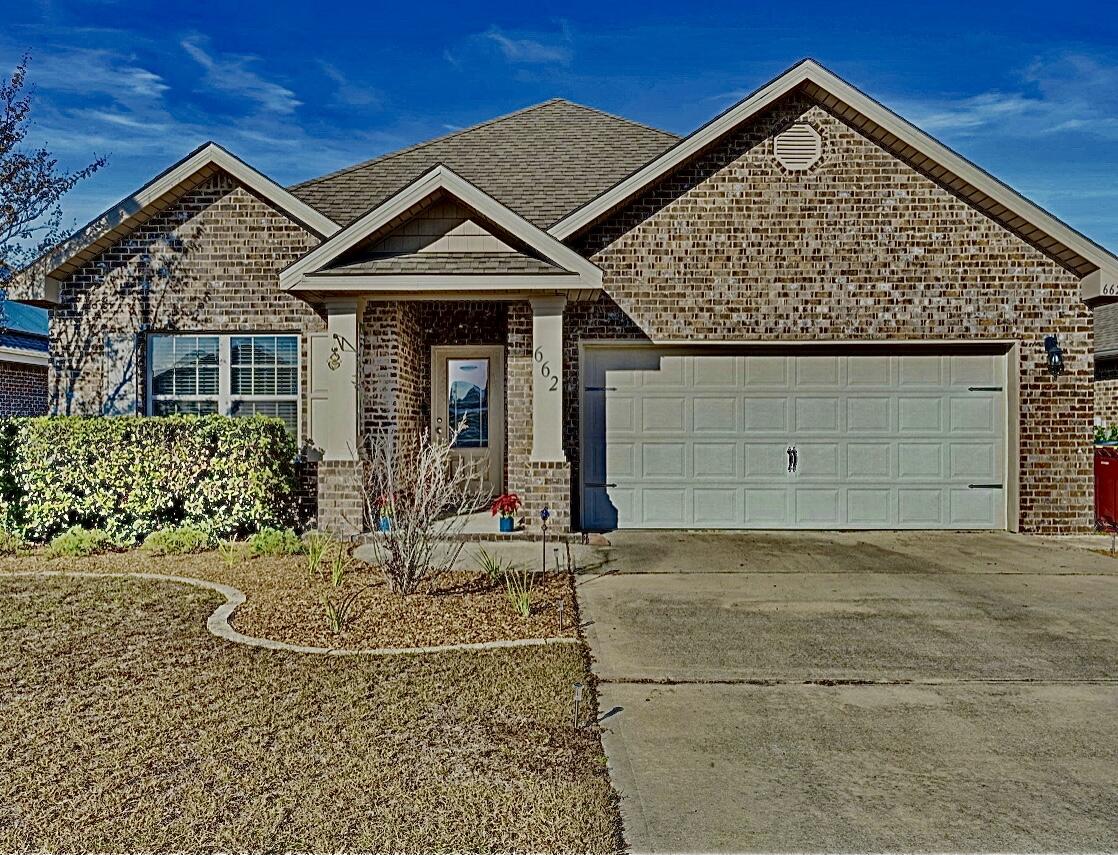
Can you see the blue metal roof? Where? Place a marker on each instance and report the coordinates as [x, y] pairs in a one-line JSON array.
[[19, 318]]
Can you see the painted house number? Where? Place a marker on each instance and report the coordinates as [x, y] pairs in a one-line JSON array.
[[1110, 289], [545, 370]]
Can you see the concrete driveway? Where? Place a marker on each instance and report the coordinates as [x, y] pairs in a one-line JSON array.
[[866, 692]]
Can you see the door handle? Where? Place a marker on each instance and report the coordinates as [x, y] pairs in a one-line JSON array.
[[793, 458]]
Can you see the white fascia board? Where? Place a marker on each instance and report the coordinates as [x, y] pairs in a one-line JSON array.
[[809, 70], [422, 282], [441, 178], [209, 154], [27, 357]]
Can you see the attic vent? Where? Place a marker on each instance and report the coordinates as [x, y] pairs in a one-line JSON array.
[[798, 147]]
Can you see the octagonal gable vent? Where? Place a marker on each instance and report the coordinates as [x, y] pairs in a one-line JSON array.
[[798, 147]]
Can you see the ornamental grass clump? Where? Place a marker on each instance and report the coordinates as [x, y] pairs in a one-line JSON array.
[[78, 542], [492, 566], [518, 586], [182, 540], [315, 546], [274, 542]]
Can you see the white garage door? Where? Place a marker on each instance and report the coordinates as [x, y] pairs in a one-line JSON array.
[[678, 439]]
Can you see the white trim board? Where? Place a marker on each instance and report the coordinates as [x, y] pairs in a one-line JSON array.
[[438, 178], [24, 357], [808, 72]]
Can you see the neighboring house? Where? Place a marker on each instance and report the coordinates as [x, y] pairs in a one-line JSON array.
[[23, 360], [1106, 364], [805, 314]]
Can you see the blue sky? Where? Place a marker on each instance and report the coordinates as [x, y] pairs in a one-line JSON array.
[[1027, 90]]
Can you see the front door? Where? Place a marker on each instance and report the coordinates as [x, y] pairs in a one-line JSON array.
[[468, 406]]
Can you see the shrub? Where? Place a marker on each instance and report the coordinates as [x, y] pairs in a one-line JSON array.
[[78, 542], [431, 497], [10, 543], [273, 541], [133, 475], [183, 540]]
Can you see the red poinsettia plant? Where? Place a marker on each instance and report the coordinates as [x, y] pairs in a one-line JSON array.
[[505, 504]]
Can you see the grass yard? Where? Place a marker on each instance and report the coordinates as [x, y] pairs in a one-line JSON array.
[[124, 725]]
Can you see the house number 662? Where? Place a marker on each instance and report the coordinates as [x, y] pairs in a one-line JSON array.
[[545, 370]]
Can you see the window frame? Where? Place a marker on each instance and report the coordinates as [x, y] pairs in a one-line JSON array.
[[225, 398]]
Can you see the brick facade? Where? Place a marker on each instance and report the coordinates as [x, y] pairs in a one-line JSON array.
[[209, 263], [734, 247], [23, 389]]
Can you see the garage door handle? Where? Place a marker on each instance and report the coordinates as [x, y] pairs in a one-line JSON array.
[[600, 389], [793, 458], [985, 486], [598, 484], [984, 389]]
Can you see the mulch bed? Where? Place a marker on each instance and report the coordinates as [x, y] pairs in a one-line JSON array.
[[284, 602]]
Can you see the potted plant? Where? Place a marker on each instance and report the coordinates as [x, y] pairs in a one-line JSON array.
[[506, 505], [384, 512]]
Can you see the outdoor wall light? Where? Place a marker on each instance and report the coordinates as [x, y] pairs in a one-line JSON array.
[[1055, 355]]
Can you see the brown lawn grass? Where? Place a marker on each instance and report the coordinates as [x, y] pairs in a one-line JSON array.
[[124, 725]]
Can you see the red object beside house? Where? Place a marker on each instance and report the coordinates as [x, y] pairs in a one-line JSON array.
[[1106, 486]]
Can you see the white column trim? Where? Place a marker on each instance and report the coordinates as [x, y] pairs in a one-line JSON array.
[[547, 379]]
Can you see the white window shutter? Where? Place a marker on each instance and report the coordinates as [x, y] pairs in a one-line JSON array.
[[118, 377]]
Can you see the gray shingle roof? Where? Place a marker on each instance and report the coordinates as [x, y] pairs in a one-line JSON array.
[[446, 262], [542, 162]]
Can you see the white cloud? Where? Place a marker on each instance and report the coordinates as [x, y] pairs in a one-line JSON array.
[[348, 93], [530, 51], [96, 71], [231, 74], [1058, 93]]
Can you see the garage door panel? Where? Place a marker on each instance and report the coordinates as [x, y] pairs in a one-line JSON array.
[[663, 460], [767, 372], [620, 409], [817, 460], [714, 372], [921, 508], [686, 439], [714, 460], [816, 371], [664, 506], [869, 507], [868, 415], [975, 461], [765, 459], [717, 508], [766, 414], [663, 414], [818, 507], [715, 415], [920, 415], [869, 461], [973, 414], [922, 461], [869, 371], [816, 415]]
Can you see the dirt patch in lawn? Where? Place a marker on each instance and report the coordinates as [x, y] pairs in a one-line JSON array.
[[284, 601], [126, 726]]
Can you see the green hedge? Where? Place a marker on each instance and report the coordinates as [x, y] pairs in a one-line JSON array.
[[132, 475]]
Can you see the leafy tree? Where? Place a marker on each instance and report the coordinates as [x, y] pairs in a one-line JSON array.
[[31, 184]]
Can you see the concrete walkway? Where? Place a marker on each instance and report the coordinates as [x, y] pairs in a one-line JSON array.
[[810, 691]]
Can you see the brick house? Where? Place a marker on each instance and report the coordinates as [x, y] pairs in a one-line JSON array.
[[23, 361], [805, 314]]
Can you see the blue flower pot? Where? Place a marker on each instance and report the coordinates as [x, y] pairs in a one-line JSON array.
[[507, 524], [385, 523]]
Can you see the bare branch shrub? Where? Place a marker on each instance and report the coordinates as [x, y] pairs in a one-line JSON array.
[[427, 494]]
